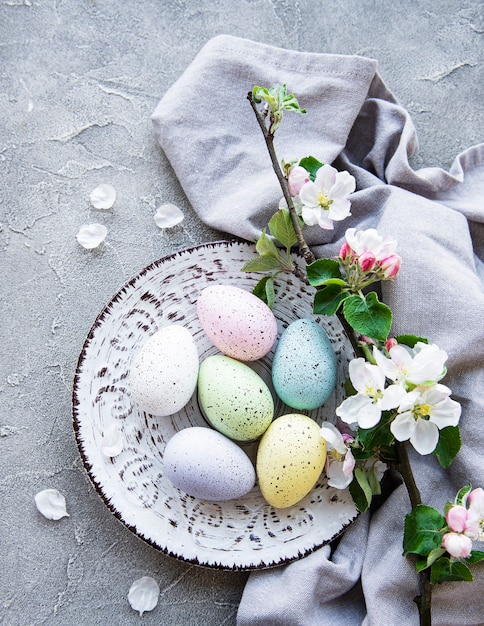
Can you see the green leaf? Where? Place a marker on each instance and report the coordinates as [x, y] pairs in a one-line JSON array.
[[420, 563], [264, 290], [475, 556], [373, 482], [265, 246], [323, 270], [444, 570], [423, 530], [462, 494], [327, 300], [362, 455], [261, 93], [312, 165], [448, 445], [378, 436], [277, 99], [410, 340], [290, 103], [281, 228], [360, 490], [368, 316], [434, 554], [261, 264]]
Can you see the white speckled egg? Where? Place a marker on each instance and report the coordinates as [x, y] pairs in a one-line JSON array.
[[290, 459], [207, 465], [164, 373], [234, 398], [238, 323], [304, 366]]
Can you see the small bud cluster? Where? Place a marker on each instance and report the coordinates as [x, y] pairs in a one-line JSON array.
[[371, 258], [465, 525]]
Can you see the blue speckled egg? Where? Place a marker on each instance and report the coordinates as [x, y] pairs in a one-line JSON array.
[[304, 366]]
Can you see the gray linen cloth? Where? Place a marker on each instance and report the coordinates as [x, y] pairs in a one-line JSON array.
[[209, 133]]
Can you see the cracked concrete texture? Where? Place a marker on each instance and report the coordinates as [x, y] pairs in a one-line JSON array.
[[78, 83]]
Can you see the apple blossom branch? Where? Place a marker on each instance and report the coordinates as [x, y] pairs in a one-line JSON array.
[[396, 395]]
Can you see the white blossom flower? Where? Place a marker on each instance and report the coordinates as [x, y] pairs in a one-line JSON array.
[[325, 200], [475, 515], [339, 460], [422, 365], [422, 413], [361, 241], [364, 409]]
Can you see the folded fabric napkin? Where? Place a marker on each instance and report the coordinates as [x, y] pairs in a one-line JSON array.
[[209, 133]]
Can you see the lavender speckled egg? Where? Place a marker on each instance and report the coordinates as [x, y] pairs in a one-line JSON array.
[[290, 459], [164, 373], [238, 323], [304, 366], [207, 465], [234, 398]]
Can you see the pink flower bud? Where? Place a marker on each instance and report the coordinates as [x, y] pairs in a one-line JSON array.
[[345, 252], [298, 176], [456, 518], [367, 341], [475, 515], [349, 464], [458, 546], [390, 343], [390, 265], [367, 260]]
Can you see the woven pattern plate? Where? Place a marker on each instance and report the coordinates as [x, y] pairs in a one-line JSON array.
[[241, 534]]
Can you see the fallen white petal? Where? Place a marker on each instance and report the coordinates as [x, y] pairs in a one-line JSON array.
[[168, 215], [103, 197], [112, 441], [143, 594], [91, 235], [51, 504]]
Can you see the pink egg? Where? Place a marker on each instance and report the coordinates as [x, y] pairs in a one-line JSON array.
[[238, 323]]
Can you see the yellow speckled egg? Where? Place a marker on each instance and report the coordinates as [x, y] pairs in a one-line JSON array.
[[290, 459]]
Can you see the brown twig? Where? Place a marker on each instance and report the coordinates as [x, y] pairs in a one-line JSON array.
[[269, 139], [424, 600]]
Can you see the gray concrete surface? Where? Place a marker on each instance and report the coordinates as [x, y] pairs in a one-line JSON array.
[[79, 80]]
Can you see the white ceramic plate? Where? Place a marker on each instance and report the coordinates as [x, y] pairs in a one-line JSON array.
[[240, 534]]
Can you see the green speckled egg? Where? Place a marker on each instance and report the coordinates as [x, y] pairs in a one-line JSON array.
[[234, 398], [290, 459]]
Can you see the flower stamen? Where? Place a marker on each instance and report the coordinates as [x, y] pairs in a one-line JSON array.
[[324, 202]]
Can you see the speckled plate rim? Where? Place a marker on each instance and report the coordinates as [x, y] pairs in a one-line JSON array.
[[262, 563]]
